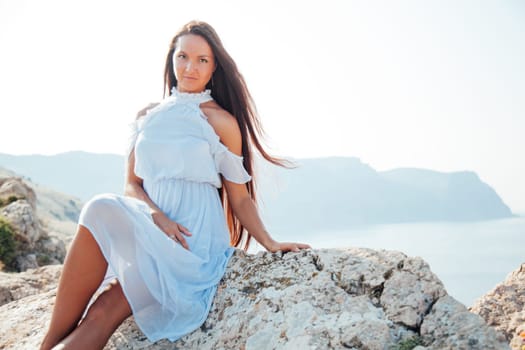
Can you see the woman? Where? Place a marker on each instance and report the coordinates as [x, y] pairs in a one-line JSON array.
[[189, 198]]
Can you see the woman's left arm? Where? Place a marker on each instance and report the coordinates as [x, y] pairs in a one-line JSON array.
[[246, 211], [243, 206]]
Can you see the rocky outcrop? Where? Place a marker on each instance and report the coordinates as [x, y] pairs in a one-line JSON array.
[[504, 307], [15, 187], [325, 299], [57, 212], [34, 247], [15, 286], [20, 207]]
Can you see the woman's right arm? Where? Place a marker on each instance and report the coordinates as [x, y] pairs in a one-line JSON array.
[[134, 185], [134, 188]]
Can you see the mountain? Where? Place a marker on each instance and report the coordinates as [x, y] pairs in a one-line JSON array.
[[320, 193], [340, 192], [453, 195]]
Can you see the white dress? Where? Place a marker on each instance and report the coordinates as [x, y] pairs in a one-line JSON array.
[[180, 158]]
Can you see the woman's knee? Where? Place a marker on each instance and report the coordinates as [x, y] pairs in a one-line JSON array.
[[101, 201], [111, 306], [99, 205]]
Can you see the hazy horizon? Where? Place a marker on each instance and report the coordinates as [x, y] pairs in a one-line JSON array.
[[68, 171], [436, 84]]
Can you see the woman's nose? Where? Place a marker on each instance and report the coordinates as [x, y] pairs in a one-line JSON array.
[[189, 66]]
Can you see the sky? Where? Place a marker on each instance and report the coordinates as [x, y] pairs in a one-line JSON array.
[[421, 84]]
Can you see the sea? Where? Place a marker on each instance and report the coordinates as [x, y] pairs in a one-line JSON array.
[[470, 258]]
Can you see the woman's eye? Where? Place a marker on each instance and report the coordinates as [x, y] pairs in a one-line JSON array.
[[181, 55], [204, 60]]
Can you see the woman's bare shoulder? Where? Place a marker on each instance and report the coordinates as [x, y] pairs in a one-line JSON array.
[[218, 117], [225, 126], [145, 110]]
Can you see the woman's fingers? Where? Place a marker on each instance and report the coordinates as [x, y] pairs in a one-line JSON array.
[[298, 246], [172, 229], [184, 230], [177, 234], [182, 241], [177, 237], [144, 110], [293, 247]]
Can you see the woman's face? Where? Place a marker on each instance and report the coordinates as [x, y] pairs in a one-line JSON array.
[[193, 63]]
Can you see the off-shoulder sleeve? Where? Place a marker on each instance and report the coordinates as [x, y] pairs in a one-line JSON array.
[[227, 163], [230, 165]]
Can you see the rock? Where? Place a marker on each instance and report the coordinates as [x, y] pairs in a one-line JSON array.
[[34, 246], [405, 305], [351, 298], [15, 286], [26, 262], [450, 326], [52, 250], [57, 212], [17, 188], [504, 307], [22, 217], [25, 320]]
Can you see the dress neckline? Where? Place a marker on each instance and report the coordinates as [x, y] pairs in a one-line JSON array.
[[190, 97]]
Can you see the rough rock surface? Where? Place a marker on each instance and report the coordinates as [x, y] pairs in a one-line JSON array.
[[14, 286], [21, 213], [325, 299], [35, 247], [13, 186], [504, 307]]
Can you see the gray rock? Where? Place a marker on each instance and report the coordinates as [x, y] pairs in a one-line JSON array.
[[57, 212], [15, 286], [504, 307], [326, 299], [16, 187], [35, 247], [450, 326], [53, 248], [22, 217], [26, 262]]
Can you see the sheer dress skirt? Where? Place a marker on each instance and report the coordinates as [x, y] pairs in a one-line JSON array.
[[169, 289]]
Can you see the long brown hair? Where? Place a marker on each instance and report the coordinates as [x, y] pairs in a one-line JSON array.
[[229, 90]]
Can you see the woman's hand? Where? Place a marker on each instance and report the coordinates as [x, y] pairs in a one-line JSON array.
[[172, 229], [144, 110], [275, 246]]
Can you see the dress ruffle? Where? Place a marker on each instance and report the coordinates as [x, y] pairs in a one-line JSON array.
[[229, 164]]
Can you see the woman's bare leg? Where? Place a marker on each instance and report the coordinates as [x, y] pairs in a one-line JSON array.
[[105, 315], [84, 269]]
